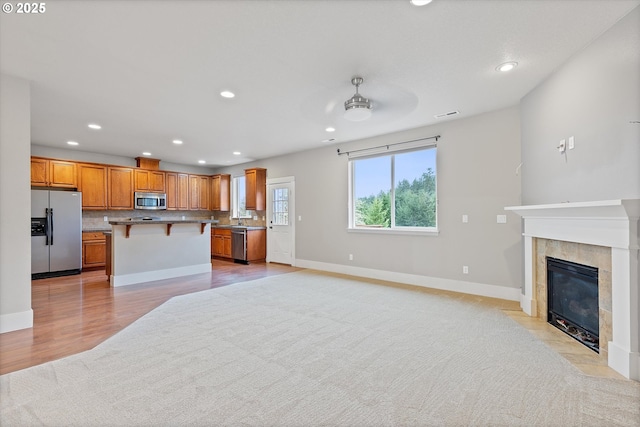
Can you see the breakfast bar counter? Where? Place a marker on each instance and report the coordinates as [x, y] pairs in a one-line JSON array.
[[144, 250]]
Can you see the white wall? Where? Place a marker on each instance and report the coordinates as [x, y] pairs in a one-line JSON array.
[[15, 205], [477, 160], [593, 97]]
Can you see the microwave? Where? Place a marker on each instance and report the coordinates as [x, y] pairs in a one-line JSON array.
[[153, 201]]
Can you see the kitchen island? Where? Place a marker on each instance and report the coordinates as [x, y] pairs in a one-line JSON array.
[[144, 251]]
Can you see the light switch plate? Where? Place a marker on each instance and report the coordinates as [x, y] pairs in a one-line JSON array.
[[465, 218]]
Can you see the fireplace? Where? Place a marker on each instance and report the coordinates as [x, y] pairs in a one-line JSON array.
[[573, 231], [572, 300]]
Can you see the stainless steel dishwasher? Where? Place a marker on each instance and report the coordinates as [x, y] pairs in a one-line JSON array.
[[239, 244]]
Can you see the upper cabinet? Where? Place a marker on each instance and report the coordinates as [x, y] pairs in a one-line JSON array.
[[92, 182], [120, 188], [256, 189], [194, 192], [53, 173], [205, 191], [147, 180], [177, 185], [220, 192]]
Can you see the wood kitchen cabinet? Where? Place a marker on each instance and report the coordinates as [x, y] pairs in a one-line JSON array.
[[256, 189], [92, 182], [53, 173], [120, 188], [177, 186], [220, 192], [205, 190], [151, 181], [221, 242], [194, 192], [256, 245], [94, 247]]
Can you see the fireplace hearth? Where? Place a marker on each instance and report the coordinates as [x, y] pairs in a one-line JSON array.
[[572, 300]]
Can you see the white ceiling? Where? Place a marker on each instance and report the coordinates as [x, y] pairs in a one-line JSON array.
[[152, 71]]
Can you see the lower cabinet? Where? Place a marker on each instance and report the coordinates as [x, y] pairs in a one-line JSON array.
[[221, 242], [94, 249]]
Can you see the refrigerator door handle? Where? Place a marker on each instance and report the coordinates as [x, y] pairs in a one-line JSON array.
[[46, 230], [51, 224]]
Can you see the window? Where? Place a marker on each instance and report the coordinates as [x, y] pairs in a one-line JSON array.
[[394, 191], [280, 206], [239, 198]]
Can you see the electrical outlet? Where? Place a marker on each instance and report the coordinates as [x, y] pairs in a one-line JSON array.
[[350, 257], [465, 218], [465, 269], [299, 217], [255, 217], [106, 218], [501, 219], [572, 143]]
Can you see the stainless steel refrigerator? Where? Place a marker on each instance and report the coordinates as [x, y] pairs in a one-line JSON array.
[[56, 233]]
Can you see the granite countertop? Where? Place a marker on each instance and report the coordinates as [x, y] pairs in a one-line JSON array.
[[96, 229], [160, 221], [240, 227]]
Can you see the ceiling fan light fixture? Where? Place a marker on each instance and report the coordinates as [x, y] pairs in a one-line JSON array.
[[357, 108]]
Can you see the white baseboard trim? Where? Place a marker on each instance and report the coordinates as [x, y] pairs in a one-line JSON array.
[[149, 276], [528, 305], [624, 362], [473, 288], [16, 321]]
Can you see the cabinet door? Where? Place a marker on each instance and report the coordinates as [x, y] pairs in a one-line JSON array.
[[157, 181], [183, 192], [120, 188], [141, 179], [172, 190], [205, 189], [39, 172], [92, 182], [220, 192], [194, 192], [94, 253], [256, 245], [62, 174], [256, 189], [217, 245], [226, 247], [215, 193]]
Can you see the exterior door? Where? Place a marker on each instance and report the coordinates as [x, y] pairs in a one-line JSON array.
[[281, 220]]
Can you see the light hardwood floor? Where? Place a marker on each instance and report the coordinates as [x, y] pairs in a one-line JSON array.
[[75, 313]]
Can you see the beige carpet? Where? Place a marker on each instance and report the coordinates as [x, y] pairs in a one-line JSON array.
[[309, 349]]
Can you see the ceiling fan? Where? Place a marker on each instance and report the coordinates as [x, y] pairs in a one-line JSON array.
[[357, 108]]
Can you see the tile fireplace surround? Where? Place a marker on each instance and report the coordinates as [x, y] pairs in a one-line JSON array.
[[612, 225]]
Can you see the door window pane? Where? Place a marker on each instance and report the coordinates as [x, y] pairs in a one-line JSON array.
[[280, 206]]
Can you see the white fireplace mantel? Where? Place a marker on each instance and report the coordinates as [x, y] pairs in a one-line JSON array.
[[609, 223]]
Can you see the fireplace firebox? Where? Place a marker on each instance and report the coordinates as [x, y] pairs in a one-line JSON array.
[[572, 300]]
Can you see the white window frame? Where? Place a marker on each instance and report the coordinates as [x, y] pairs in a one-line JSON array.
[[235, 199], [388, 152]]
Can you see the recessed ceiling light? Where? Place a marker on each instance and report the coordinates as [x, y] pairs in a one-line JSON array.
[[177, 141], [236, 153], [202, 162], [227, 94], [94, 126], [72, 143], [507, 66], [330, 129], [146, 153], [419, 2]]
